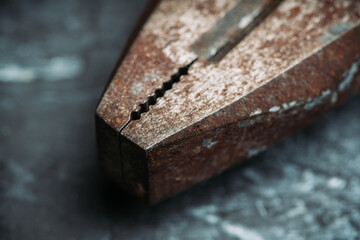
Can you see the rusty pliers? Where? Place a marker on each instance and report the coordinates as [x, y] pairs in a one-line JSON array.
[[207, 84]]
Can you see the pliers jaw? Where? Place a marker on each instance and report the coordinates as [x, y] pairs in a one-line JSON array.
[[167, 122]]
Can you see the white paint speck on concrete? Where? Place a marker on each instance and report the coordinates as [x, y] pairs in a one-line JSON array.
[[261, 208], [240, 232], [206, 213], [299, 209], [55, 69], [61, 68], [336, 183], [209, 215], [15, 73], [307, 182]]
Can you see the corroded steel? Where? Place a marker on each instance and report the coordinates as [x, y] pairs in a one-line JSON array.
[[298, 63]]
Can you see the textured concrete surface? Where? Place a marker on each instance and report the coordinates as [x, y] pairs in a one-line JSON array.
[[55, 57]]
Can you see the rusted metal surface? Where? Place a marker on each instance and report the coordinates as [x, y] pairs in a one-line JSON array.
[[302, 60], [158, 52]]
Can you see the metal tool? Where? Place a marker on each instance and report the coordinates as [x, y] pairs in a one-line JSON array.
[[207, 84]]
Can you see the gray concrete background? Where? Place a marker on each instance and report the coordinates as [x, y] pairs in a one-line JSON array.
[[55, 57]]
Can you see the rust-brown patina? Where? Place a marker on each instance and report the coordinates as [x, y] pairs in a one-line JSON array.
[[302, 60]]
